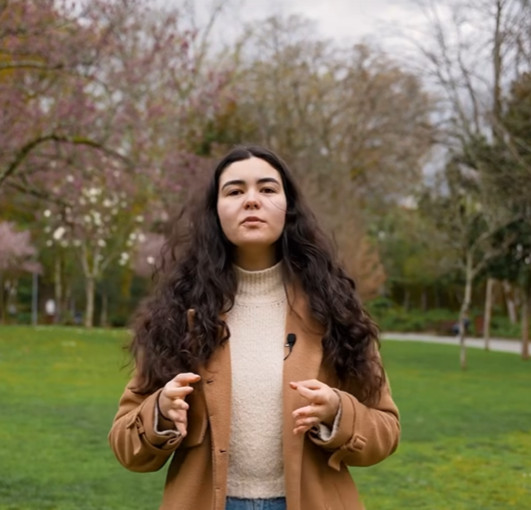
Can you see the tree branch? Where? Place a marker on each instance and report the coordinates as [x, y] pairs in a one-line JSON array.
[[25, 151]]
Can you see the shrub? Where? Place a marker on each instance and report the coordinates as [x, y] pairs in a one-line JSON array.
[[441, 321]]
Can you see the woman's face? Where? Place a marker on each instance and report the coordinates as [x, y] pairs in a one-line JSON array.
[[252, 210]]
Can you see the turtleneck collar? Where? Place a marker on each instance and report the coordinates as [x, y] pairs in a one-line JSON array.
[[264, 286]]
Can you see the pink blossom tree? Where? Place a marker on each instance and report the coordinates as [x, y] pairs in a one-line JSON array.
[[17, 255], [102, 112], [119, 79]]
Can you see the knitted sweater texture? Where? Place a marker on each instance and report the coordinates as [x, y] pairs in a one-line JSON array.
[[257, 330]]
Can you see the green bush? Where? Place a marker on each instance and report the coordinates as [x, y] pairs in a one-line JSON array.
[[394, 318], [390, 317], [501, 327], [24, 318], [119, 320]]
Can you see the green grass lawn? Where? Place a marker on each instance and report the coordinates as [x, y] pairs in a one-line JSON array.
[[466, 438]]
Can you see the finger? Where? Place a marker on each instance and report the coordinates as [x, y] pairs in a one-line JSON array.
[[180, 420], [312, 384], [314, 396], [178, 416], [307, 422], [181, 428], [301, 430], [186, 378], [174, 392], [306, 412], [179, 405]]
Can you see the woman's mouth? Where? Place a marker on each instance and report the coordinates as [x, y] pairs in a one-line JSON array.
[[252, 219]]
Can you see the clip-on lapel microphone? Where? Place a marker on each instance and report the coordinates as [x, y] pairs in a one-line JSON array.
[[290, 342]]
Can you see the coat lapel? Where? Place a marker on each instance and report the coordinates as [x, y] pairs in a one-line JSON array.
[[302, 363], [216, 383]]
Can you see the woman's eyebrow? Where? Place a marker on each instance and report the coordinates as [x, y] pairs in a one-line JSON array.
[[240, 182]]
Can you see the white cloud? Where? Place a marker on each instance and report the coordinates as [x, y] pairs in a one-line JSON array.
[[347, 21]]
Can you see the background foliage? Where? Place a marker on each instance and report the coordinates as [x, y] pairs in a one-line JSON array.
[[114, 111]]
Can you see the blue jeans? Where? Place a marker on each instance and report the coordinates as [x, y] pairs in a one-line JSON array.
[[256, 504]]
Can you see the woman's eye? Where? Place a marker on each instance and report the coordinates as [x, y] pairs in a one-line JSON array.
[[268, 190], [234, 192]]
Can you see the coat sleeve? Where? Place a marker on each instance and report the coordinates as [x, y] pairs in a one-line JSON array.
[[365, 435], [134, 437]]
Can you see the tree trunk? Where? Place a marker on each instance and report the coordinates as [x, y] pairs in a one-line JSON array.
[[67, 305], [11, 301], [104, 310], [488, 312], [497, 68], [463, 316], [406, 299], [90, 285], [2, 302], [525, 324], [509, 300], [34, 299], [58, 290]]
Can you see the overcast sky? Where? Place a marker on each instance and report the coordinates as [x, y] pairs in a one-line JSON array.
[[345, 20], [342, 20]]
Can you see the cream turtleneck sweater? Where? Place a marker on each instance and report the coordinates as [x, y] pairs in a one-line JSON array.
[[257, 331]]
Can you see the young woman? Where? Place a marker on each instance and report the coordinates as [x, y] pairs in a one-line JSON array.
[[257, 370]]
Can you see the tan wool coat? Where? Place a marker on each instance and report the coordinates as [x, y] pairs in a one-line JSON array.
[[315, 471]]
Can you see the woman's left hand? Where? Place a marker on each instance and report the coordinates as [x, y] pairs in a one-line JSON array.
[[322, 408]]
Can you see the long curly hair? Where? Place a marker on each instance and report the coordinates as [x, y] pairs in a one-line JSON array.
[[197, 273]]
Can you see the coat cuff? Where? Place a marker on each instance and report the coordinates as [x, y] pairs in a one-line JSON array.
[[342, 428], [322, 432], [149, 422]]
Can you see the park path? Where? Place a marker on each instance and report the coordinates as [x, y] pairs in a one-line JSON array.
[[496, 344]]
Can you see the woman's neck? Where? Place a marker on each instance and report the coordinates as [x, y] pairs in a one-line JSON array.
[[255, 260]]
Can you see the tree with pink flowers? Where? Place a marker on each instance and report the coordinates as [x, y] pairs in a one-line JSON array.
[[102, 105], [17, 255]]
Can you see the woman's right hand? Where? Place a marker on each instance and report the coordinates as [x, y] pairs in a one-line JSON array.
[[172, 403]]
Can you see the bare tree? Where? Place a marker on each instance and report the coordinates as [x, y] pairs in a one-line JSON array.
[[352, 124], [456, 210], [472, 52]]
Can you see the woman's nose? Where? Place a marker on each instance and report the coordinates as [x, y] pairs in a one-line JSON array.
[[251, 201]]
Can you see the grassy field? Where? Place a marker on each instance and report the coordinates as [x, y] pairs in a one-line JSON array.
[[465, 444]]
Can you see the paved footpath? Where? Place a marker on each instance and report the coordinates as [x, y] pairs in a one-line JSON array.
[[496, 344]]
